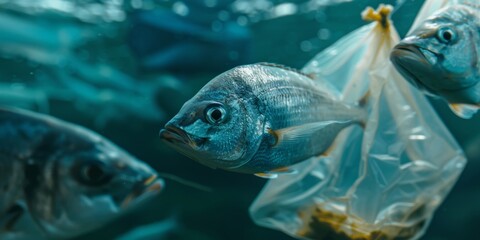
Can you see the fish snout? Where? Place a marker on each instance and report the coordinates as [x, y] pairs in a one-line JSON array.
[[150, 185], [174, 134], [404, 50]]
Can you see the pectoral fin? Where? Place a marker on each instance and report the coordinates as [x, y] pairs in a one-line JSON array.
[[464, 110], [301, 132], [276, 172], [267, 175]]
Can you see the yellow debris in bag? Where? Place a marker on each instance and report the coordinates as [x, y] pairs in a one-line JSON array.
[[383, 181]]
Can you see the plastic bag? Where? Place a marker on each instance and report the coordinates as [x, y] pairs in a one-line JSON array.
[[381, 182], [431, 6]]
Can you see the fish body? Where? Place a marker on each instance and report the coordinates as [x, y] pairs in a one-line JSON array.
[[258, 118], [64, 178], [442, 57]]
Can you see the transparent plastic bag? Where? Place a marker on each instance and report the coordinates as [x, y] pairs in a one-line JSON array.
[[431, 6], [383, 181]]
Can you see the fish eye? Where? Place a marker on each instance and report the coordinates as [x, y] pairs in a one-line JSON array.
[[446, 35], [92, 173], [215, 114]]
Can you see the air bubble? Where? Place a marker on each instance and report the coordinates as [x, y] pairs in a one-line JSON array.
[[223, 15], [180, 8], [306, 46], [323, 34], [242, 20]]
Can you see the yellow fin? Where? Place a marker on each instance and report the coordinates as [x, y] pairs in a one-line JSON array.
[[284, 170], [266, 175], [276, 172], [465, 111]]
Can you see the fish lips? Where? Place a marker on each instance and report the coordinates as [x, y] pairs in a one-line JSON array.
[[143, 190], [408, 59], [190, 145], [175, 135], [411, 61]]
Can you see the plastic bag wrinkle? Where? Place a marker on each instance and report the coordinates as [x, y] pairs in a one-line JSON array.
[[381, 182]]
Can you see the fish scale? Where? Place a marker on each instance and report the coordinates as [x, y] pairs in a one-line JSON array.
[[295, 95]]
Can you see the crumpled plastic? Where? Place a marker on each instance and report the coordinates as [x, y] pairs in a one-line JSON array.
[[431, 6], [383, 181]]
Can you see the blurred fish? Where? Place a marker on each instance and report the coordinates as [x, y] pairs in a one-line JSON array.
[[163, 40], [159, 230], [259, 119], [442, 57], [59, 180], [34, 42], [166, 229]]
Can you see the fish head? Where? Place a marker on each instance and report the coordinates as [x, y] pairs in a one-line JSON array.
[[87, 183], [221, 126], [441, 56]]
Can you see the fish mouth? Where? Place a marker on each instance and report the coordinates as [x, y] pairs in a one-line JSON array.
[[406, 57], [175, 135], [143, 190], [409, 59], [404, 49], [181, 141], [411, 54], [178, 137], [190, 146]]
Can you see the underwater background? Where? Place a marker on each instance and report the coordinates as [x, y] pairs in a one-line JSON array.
[[124, 67]]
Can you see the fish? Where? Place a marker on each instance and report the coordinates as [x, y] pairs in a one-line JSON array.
[[259, 119], [162, 229], [442, 57], [59, 180], [162, 40]]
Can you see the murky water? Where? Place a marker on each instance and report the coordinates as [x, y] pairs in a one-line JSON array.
[[124, 67]]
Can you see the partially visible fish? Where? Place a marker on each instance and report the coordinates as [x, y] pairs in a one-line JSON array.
[[163, 40], [259, 119], [59, 180], [160, 230], [442, 57]]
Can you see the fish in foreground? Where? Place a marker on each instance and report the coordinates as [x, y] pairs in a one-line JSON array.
[[259, 119], [442, 57], [59, 180]]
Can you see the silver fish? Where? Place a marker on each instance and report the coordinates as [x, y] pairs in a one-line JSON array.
[[442, 57], [259, 119], [59, 180]]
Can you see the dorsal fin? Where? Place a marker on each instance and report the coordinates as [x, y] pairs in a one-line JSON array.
[[286, 68]]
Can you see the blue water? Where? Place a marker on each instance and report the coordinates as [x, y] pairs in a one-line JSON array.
[[81, 62]]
